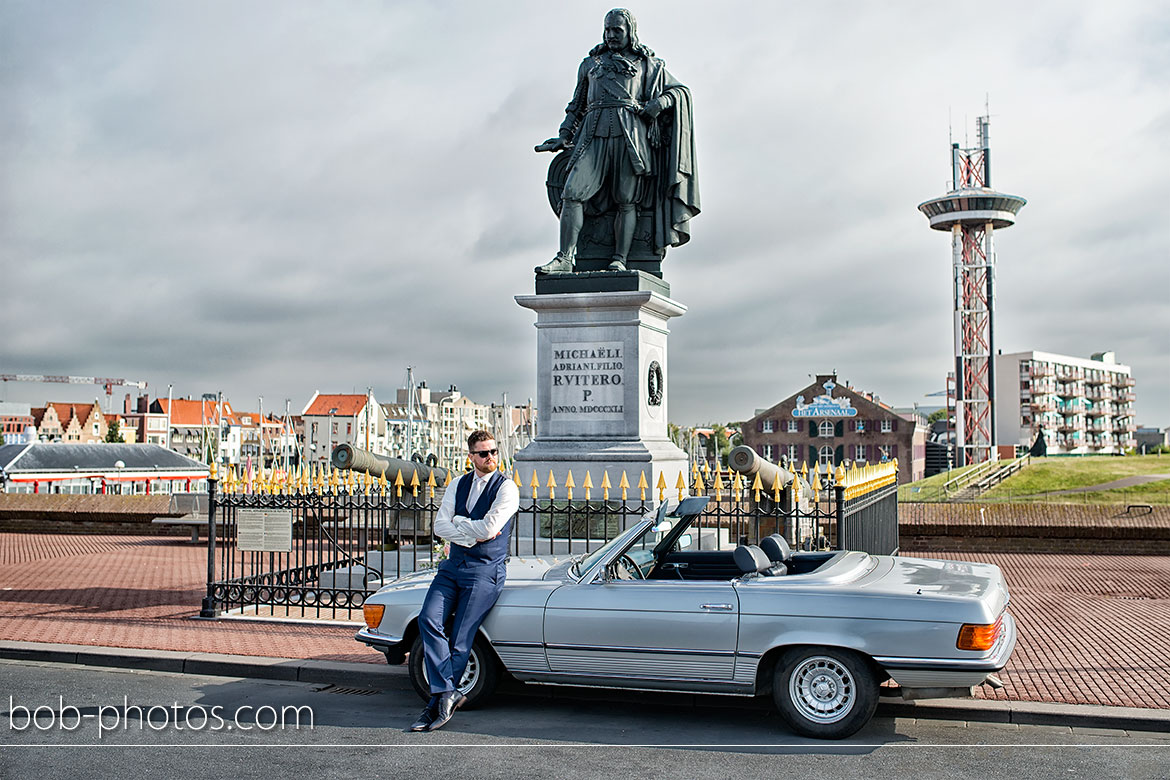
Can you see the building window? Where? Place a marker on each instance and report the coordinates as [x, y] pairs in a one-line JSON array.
[[887, 426], [861, 426], [826, 455], [827, 429], [768, 426], [768, 451], [792, 456], [792, 426], [859, 452], [885, 453]]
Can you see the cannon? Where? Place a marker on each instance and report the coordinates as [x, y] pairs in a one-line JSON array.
[[348, 457], [745, 460]]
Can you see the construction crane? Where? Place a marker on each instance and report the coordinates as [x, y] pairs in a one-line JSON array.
[[107, 382]]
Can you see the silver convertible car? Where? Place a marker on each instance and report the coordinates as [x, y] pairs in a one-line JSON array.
[[652, 610]]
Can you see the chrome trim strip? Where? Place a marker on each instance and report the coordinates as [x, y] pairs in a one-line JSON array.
[[518, 644], [631, 683], [616, 649]]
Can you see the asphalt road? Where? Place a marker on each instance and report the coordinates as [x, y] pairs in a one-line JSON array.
[[157, 724]]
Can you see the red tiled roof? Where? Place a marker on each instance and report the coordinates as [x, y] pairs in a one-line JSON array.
[[337, 405], [188, 413], [66, 412]]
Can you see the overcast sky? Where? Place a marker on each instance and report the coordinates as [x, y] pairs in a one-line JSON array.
[[269, 198]]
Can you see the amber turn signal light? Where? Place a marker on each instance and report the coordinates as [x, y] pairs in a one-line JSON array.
[[373, 614], [979, 636]]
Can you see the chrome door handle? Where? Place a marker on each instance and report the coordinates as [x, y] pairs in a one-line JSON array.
[[719, 607]]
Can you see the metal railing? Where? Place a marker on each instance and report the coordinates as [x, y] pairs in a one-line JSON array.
[[330, 544]]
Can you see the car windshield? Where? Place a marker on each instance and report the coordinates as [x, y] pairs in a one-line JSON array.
[[635, 539]]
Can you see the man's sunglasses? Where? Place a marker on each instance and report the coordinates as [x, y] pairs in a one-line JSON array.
[[485, 453]]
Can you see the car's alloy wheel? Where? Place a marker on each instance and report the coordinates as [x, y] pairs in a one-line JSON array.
[[479, 678], [823, 692]]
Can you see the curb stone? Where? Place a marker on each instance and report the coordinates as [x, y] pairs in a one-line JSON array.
[[395, 678]]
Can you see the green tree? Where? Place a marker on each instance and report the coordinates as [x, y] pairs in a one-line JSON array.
[[114, 434], [935, 416]]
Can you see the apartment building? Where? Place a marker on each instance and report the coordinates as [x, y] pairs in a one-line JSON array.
[[1082, 406]]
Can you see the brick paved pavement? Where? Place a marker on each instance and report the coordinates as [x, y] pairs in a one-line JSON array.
[[1093, 629]]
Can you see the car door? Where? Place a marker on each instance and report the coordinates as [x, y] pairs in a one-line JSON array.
[[657, 629]]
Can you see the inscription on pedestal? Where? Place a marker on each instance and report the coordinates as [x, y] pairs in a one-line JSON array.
[[587, 381]]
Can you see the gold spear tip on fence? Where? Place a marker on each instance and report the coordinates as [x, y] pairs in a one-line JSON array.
[[804, 469], [625, 483], [398, 481], [642, 483], [569, 483], [700, 486], [588, 483], [552, 481], [447, 481], [535, 483], [756, 483], [839, 476], [776, 483], [515, 478], [414, 483], [718, 480]]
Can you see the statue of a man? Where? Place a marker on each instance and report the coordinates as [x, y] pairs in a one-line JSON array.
[[630, 131]]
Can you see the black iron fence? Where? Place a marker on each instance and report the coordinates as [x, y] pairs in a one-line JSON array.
[[317, 550]]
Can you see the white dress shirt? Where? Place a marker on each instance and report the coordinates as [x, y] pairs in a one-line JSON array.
[[466, 532]]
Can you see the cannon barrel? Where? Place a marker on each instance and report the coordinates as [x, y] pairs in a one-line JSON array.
[[746, 461], [348, 457]]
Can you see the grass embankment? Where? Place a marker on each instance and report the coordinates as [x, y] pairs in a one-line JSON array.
[[1045, 476], [1041, 480], [931, 488]]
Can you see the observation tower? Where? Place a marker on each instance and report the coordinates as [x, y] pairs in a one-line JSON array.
[[971, 212]]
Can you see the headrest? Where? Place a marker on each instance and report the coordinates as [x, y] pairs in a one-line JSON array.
[[776, 548], [751, 559]]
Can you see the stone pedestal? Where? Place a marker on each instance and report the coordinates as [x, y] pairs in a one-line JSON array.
[[602, 391]]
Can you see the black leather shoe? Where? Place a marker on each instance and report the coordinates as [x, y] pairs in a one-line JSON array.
[[426, 718], [448, 703]]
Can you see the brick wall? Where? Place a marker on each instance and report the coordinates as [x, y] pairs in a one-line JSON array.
[[86, 514], [1034, 528]]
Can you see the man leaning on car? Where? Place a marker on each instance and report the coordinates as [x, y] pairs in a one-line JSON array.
[[475, 516]]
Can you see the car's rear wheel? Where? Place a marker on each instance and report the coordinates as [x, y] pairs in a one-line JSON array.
[[480, 678], [825, 692]]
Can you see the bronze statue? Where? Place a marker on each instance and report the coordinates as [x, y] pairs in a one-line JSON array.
[[631, 157]]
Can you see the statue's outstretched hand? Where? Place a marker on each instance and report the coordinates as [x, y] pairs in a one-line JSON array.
[[552, 145]]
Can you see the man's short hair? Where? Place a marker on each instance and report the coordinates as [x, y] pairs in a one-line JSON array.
[[476, 437]]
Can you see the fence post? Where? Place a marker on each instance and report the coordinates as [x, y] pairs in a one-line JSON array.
[[839, 494], [209, 610]]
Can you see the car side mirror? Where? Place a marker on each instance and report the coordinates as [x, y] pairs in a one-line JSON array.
[[609, 573], [684, 541]]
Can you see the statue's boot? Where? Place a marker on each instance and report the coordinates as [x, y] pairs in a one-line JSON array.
[[617, 264], [558, 265]]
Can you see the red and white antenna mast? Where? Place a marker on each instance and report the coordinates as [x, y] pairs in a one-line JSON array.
[[971, 212]]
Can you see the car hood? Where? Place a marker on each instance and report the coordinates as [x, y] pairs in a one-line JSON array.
[[529, 568]]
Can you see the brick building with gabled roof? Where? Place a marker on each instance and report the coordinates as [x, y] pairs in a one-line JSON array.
[[70, 423], [827, 423]]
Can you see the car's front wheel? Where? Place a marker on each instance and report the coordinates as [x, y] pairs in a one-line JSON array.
[[825, 692], [480, 678]]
